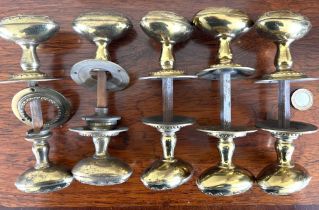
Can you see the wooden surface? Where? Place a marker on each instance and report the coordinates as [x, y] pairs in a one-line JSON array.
[[140, 146]]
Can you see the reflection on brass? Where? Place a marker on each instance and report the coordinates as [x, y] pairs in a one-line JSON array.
[[284, 177], [29, 31], [169, 172], [225, 24], [169, 29], [101, 74], [283, 27], [226, 178]]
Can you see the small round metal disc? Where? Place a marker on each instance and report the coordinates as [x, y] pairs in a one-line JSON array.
[[175, 77], [235, 70], [295, 127], [235, 131], [81, 73], [177, 121], [302, 99], [85, 131]]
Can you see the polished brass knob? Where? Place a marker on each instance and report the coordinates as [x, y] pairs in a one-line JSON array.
[[169, 29], [101, 74], [225, 24], [226, 178], [283, 28], [101, 28], [284, 177], [29, 31]]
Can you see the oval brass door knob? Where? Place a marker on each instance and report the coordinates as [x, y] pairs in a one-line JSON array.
[[167, 28], [225, 24], [283, 27], [28, 31], [101, 28]]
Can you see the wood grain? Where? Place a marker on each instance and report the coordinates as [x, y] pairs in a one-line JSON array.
[[140, 146]]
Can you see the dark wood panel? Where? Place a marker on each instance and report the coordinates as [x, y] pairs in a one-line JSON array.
[[196, 98]]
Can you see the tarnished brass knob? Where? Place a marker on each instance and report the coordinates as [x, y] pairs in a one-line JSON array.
[[28, 31], [101, 74], [225, 24], [283, 27]]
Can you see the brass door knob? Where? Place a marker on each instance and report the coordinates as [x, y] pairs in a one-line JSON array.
[[225, 24], [103, 75], [284, 177], [169, 172], [283, 28], [29, 31], [226, 178]]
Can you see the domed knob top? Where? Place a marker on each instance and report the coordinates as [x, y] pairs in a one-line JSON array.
[[222, 21], [283, 25], [166, 26], [27, 28], [102, 25]]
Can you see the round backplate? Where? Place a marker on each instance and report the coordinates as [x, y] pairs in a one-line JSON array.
[[22, 98], [85, 131], [81, 73], [295, 127], [235, 131], [235, 70], [177, 122], [175, 77]]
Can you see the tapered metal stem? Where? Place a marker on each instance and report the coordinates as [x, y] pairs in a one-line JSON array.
[[167, 91], [284, 104], [225, 99]]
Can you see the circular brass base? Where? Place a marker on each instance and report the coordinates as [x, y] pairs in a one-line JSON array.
[[44, 180], [290, 75], [236, 71], [176, 123], [101, 172], [218, 181], [297, 128], [159, 76], [278, 180], [167, 174]]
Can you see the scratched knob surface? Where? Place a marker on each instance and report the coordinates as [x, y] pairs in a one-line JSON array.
[[27, 28], [166, 26], [102, 25]]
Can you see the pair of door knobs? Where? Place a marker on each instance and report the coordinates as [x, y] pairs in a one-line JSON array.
[[103, 75]]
